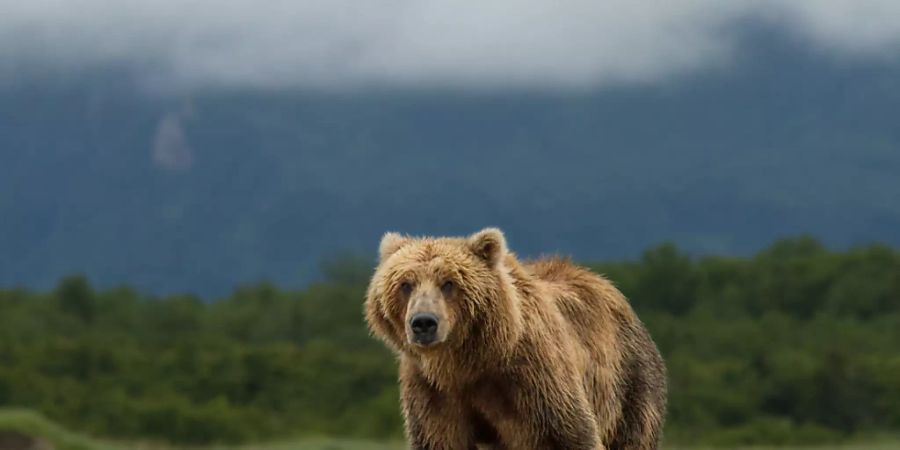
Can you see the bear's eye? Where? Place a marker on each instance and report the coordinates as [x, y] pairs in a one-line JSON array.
[[447, 287], [406, 288]]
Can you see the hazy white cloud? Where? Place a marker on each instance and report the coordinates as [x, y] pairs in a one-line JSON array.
[[489, 43], [171, 150], [849, 27]]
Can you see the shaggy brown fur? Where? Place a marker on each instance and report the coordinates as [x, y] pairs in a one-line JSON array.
[[540, 355]]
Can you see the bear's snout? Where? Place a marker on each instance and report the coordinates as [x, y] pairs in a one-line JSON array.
[[424, 328]]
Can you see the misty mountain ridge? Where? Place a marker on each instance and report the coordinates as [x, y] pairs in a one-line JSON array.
[[199, 191]]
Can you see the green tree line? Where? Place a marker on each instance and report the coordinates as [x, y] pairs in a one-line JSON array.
[[795, 344]]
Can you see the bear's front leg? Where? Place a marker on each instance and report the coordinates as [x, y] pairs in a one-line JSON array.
[[434, 421], [555, 422], [562, 413], [536, 409]]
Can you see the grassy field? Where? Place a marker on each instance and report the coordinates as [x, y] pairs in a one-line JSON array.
[[32, 424]]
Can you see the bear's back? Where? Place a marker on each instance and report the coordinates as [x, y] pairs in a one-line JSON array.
[[582, 296]]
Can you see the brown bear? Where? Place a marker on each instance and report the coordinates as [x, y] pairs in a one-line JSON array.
[[498, 353]]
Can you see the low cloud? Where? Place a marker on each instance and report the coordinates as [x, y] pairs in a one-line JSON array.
[[485, 44]]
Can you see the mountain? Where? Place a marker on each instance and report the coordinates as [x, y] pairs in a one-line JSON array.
[[199, 191]]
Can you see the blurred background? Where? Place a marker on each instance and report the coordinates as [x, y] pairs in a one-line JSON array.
[[192, 191]]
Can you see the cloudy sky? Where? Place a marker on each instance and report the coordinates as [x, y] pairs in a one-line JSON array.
[[488, 43]]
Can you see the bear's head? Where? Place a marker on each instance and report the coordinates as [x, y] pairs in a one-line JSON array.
[[444, 294]]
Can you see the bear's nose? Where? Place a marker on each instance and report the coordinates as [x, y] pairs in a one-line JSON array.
[[424, 327]]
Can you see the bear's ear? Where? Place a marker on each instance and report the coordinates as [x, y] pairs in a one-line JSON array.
[[488, 244], [390, 243]]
